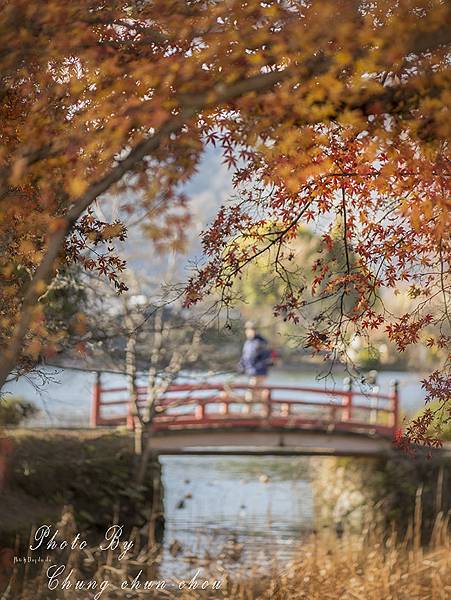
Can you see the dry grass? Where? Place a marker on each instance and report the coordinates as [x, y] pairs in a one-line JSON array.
[[370, 567], [363, 569], [352, 568]]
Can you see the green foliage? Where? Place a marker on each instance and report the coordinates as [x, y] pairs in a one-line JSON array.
[[262, 287], [368, 358], [64, 299], [15, 410], [441, 425]]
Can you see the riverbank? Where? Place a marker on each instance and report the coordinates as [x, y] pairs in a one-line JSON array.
[[353, 493], [88, 472]]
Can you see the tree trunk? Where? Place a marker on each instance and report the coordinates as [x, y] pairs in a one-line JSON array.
[[130, 368]]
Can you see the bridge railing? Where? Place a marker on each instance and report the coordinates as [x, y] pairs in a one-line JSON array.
[[227, 405]]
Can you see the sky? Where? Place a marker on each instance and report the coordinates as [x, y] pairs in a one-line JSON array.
[[207, 190]]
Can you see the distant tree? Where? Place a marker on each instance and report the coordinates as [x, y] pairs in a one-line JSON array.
[[263, 289], [13, 411], [165, 344], [146, 334]]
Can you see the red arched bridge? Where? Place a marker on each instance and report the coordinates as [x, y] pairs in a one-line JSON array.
[[225, 418]]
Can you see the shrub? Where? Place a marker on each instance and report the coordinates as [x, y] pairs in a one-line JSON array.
[[369, 358], [15, 410]]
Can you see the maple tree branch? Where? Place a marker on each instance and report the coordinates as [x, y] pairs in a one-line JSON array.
[[345, 229], [348, 269], [154, 35], [442, 282], [279, 237], [45, 270], [401, 98], [190, 105], [425, 41], [391, 99], [222, 93]]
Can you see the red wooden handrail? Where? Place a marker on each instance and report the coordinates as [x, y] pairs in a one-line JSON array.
[[244, 386], [273, 410]]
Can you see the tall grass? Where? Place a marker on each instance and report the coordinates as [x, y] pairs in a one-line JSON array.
[[372, 566], [361, 568]]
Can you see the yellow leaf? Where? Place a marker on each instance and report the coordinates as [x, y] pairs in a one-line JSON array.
[[342, 58], [26, 247], [415, 217], [77, 186], [34, 348], [40, 287], [17, 171]]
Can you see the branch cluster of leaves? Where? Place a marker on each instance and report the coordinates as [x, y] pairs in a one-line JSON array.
[[324, 111]]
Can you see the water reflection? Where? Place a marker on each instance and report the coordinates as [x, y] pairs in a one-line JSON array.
[[233, 512]]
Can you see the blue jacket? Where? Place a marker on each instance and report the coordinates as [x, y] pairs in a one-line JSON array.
[[256, 356]]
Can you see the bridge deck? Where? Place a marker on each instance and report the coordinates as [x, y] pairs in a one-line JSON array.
[[271, 441]]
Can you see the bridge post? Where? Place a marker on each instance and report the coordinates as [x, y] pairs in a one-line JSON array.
[[267, 404], [285, 410], [394, 394], [333, 414], [200, 411], [130, 417], [224, 408], [347, 413], [96, 399]]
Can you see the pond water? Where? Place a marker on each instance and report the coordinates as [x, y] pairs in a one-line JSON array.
[[229, 513], [233, 513]]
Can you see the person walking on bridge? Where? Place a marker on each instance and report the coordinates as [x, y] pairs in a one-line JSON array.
[[256, 358]]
